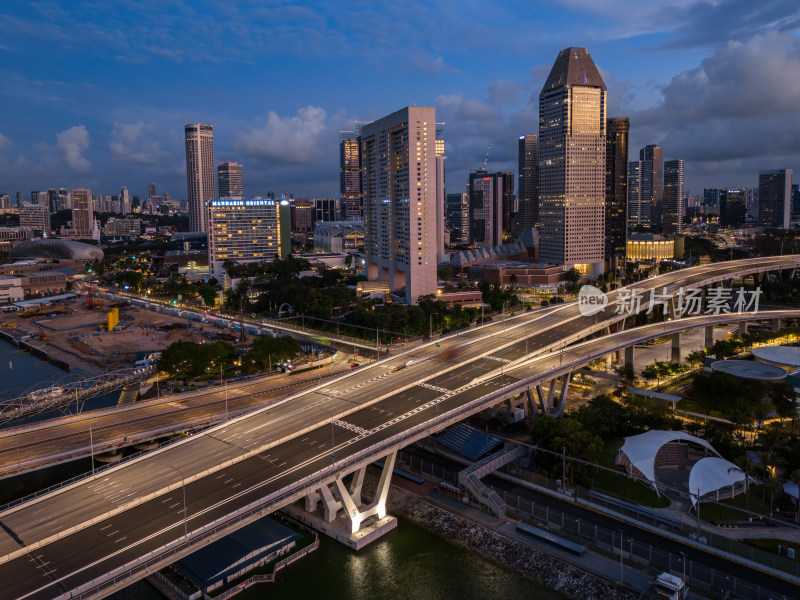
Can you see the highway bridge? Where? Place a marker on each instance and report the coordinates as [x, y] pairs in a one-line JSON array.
[[100, 534]]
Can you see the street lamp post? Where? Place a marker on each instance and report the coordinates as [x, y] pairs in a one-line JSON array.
[[183, 485]]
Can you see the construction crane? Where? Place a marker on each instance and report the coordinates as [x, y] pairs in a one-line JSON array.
[[486, 158]]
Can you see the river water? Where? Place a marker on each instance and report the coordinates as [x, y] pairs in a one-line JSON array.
[[409, 562]]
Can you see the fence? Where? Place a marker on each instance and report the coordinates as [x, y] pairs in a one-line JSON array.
[[608, 540]]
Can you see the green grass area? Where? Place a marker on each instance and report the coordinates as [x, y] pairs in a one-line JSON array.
[[610, 449], [625, 488], [733, 509], [771, 545]]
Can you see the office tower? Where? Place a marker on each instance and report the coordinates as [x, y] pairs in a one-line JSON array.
[[243, 231], [653, 171], [302, 214], [284, 229], [39, 198], [398, 183], [5, 201], [616, 202], [199, 173], [508, 201], [528, 193], [572, 162], [458, 218], [82, 213], [52, 200], [35, 216], [326, 209], [795, 199], [711, 196], [350, 174], [229, 180], [732, 207], [486, 207], [673, 203], [124, 202], [151, 191], [441, 197], [19, 198], [774, 197]]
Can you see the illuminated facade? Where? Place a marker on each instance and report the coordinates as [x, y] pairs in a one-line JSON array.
[[486, 207], [350, 175], [242, 231], [528, 193], [616, 191], [398, 183], [646, 246], [82, 213], [199, 173], [672, 215], [572, 163]]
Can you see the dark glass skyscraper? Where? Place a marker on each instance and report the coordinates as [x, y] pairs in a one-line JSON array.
[[528, 192], [616, 191], [774, 193], [229, 180]]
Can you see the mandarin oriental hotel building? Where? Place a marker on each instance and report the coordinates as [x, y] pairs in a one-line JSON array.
[[242, 231]]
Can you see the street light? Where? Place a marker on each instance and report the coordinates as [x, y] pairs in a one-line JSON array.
[[183, 485]]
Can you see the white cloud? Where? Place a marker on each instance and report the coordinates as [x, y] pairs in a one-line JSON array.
[[73, 142], [287, 140], [135, 143], [5, 143]]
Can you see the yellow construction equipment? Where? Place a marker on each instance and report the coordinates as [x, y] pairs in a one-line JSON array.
[[113, 318]]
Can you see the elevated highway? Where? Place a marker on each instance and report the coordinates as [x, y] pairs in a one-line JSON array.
[[100, 534]]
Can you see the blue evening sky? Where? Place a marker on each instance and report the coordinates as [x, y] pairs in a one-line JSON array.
[[95, 93]]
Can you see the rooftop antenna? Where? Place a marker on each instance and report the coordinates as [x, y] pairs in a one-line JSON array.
[[486, 159]]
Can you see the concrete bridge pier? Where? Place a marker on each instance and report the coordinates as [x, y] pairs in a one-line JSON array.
[[356, 525], [562, 400], [676, 347], [629, 358], [709, 341], [742, 328], [109, 457], [776, 325]]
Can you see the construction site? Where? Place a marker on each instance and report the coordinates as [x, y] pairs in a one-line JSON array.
[[90, 333]]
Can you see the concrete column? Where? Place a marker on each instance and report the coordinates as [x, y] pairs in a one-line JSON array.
[[551, 394], [562, 401], [378, 506], [532, 411], [542, 400], [742, 328], [609, 360], [676, 347], [709, 336], [776, 325], [629, 358]]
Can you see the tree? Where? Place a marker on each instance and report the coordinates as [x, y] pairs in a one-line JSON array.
[[445, 273], [268, 350], [572, 276], [209, 294]]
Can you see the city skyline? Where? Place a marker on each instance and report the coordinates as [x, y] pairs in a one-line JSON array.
[[86, 115]]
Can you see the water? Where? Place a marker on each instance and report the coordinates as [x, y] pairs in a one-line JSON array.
[[409, 562], [28, 370]]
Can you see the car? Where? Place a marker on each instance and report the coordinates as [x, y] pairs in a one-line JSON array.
[[354, 365]]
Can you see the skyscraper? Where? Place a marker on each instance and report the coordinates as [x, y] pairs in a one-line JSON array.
[[124, 202], [458, 218], [151, 191], [774, 198], [229, 180], [616, 192], [82, 213], [398, 161], [653, 172], [441, 198], [732, 207], [326, 209], [486, 207], [672, 216], [572, 163], [508, 201], [528, 192], [350, 174], [199, 173]]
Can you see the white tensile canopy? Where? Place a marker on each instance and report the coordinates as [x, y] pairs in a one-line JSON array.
[[641, 449], [711, 474]]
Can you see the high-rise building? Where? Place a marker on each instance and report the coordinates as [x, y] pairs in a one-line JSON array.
[[350, 174], [441, 197], [52, 200], [303, 215], [151, 191], [458, 218], [5, 201], [673, 203], [326, 209], [124, 202], [199, 173], [35, 216], [398, 183], [243, 231], [82, 213], [732, 207], [774, 198], [508, 201], [617, 130], [795, 199], [284, 229], [653, 171], [572, 163], [528, 192], [486, 207], [40, 198], [229, 180]]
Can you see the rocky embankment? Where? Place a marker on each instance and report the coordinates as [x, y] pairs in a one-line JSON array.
[[551, 572]]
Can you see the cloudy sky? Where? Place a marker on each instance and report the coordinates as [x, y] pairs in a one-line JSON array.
[[95, 93]]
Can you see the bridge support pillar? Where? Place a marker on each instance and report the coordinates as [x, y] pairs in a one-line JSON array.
[[742, 328], [377, 507], [629, 359], [709, 341], [531, 403], [551, 394], [676, 347], [776, 325], [562, 400], [543, 405]]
